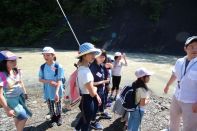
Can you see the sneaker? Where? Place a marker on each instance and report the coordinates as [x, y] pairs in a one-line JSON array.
[[96, 126], [51, 124], [122, 119], [109, 100], [59, 122], [105, 115], [165, 129], [108, 105]]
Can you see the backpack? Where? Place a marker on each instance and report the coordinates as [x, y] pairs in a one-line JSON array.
[[56, 73], [128, 97], [72, 95], [4, 81]]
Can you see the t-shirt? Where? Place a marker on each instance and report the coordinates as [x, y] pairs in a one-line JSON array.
[[140, 94], [49, 74], [84, 76], [117, 67], [98, 74], [186, 90], [13, 88]]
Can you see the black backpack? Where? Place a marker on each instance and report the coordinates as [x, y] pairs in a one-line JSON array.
[[56, 72], [128, 98]]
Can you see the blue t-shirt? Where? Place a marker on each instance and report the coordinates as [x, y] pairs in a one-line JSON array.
[[49, 74]]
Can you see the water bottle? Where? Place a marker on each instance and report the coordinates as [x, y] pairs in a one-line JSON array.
[[67, 102]]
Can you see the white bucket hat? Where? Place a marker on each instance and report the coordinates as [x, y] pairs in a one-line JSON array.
[[48, 50], [141, 72], [86, 48], [190, 39], [117, 54]]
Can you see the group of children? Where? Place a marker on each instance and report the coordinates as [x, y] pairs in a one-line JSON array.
[[93, 80]]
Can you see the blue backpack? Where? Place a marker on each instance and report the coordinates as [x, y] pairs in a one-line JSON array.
[[56, 72]]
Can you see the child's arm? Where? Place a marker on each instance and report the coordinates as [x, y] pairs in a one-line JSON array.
[[125, 60], [101, 82], [24, 89], [3, 102]]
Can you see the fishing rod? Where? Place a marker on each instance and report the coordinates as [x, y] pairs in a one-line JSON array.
[[68, 23]]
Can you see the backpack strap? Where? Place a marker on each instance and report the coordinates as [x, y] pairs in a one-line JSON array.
[[42, 69], [56, 69], [3, 77]]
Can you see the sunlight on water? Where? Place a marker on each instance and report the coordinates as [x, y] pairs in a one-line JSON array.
[[161, 65]]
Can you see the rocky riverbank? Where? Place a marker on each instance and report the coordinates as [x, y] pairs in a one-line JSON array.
[[155, 118]]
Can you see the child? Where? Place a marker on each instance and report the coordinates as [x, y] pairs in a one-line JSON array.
[[142, 94], [12, 90], [85, 79], [51, 75], [116, 72], [100, 80]]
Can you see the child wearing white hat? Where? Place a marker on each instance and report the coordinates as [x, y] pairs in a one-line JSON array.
[[116, 72]]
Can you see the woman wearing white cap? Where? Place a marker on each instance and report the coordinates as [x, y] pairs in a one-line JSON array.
[[116, 72], [12, 90], [85, 79], [142, 95], [184, 101], [51, 74]]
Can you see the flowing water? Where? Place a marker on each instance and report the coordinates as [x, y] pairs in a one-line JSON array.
[[161, 65]]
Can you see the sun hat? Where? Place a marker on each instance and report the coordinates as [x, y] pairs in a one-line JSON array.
[[117, 54], [8, 55], [86, 48], [141, 72], [48, 50], [190, 39]]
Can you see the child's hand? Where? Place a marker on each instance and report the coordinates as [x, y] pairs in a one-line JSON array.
[[10, 113], [98, 100], [57, 97], [53, 83], [26, 96], [106, 81]]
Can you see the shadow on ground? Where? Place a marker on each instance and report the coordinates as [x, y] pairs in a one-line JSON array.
[[42, 127], [115, 126]]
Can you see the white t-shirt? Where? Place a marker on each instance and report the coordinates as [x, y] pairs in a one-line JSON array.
[[140, 94], [117, 67], [187, 92], [84, 76]]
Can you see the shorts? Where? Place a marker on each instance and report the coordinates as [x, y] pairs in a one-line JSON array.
[[21, 111], [116, 82]]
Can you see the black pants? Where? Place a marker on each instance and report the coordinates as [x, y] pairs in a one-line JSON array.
[[116, 82], [87, 108]]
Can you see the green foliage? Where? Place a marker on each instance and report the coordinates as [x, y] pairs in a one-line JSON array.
[[23, 22], [152, 7], [95, 40]]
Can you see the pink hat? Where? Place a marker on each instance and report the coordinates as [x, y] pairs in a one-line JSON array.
[[7, 55], [141, 72]]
